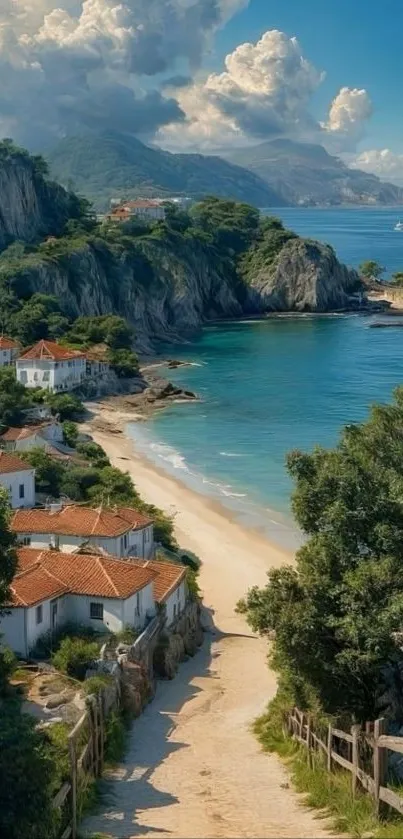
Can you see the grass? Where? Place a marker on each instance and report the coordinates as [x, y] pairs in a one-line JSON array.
[[329, 793]]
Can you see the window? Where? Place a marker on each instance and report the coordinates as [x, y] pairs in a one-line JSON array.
[[174, 610], [122, 545], [39, 614], [178, 593], [97, 611], [46, 376], [21, 490], [125, 540], [36, 376], [26, 541], [23, 377], [137, 609]]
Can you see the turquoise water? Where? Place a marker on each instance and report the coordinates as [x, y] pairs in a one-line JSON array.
[[267, 387]]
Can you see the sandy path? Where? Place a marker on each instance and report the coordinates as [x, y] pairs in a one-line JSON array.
[[193, 769]]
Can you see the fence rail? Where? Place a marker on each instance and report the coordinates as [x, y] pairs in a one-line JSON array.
[[343, 748]]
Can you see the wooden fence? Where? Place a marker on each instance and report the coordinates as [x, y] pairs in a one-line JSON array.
[[348, 750], [86, 752]]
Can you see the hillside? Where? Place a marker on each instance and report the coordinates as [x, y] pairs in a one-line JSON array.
[[304, 173], [102, 166], [222, 259]]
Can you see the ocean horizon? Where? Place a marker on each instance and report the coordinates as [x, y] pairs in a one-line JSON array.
[[269, 386]]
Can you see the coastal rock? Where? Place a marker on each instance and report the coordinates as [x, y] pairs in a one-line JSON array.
[[305, 277]]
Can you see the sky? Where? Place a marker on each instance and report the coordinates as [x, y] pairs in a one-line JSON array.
[[200, 75]]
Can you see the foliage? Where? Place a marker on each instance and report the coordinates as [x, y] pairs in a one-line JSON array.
[[66, 406], [371, 270], [7, 666], [95, 453], [48, 471], [95, 684], [58, 749], [14, 398], [397, 278], [124, 363], [49, 642], [8, 556], [127, 635], [192, 584], [27, 779], [269, 243], [70, 433], [111, 330], [78, 481], [116, 738], [336, 614], [232, 226], [74, 656], [39, 317]]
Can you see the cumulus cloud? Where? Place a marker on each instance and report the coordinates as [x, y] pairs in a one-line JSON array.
[[382, 162], [64, 66], [265, 91]]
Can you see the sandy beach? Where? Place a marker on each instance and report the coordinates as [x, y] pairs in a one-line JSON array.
[[193, 767]]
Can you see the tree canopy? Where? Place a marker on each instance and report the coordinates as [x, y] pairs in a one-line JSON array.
[[371, 270], [337, 614]]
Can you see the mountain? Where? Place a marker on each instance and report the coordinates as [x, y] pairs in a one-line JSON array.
[[304, 173], [108, 165]]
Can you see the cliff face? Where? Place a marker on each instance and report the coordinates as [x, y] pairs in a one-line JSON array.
[[30, 206], [306, 276]]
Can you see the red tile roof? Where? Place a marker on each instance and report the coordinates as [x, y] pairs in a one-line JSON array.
[[168, 577], [34, 585], [94, 576], [79, 521], [11, 463], [51, 351], [8, 343]]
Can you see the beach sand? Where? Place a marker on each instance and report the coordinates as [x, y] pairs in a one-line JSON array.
[[193, 767]]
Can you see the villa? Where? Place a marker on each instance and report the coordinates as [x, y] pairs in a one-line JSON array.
[[121, 532], [50, 366], [9, 351], [18, 478]]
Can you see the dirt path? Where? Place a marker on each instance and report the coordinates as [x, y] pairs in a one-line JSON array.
[[193, 768]]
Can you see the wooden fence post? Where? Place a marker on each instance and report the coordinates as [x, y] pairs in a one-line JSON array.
[[73, 768], [308, 740], [355, 730], [101, 731], [329, 748], [380, 761]]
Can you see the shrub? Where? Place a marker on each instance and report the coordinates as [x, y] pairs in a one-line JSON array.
[[74, 657], [95, 684], [115, 738], [49, 643], [66, 406], [127, 635], [70, 433]]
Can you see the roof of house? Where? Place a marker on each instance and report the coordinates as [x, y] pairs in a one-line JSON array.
[[14, 434], [12, 463], [79, 521], [168, 577], [35, 584], [50, 351], [8, 343], [45, 572]]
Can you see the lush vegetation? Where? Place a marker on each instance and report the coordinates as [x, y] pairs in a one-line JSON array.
[[371, 270], [337, 616], [74, 656]]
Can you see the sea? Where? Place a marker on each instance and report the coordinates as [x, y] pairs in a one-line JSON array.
[[269, 387]]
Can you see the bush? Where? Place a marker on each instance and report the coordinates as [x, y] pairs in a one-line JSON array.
[[74, 657], [95, 453], [127, 635], [7, 665], [49, 643], [66, 406], [124, 363], [70, 433], [95, 684], [116, 736]]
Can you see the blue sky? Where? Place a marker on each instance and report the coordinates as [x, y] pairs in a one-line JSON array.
[[357, 44]]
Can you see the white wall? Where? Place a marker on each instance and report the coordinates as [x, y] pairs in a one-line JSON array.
[[12, 631], [5, 358], [146, 607], [51, 375], [175, 603], [115, 546], [12, 481]]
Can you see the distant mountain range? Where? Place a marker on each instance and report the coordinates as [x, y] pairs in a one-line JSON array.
[[273, 174], [303, 173], [110, 165]]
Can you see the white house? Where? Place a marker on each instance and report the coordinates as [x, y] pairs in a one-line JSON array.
[[170, 588], [144, 208], [18, 478], [120, 532], [52, 367], [9, 351], [52, 588], [31, 437]]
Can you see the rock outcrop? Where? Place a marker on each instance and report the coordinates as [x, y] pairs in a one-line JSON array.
[[305, 277]]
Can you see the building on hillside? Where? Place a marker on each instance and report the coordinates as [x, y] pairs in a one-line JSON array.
[[121, 532], [52, 367], [9, 351], [51, 589], [170, 588], [31, 437], [97, 365], [143, 208], [18, 478]]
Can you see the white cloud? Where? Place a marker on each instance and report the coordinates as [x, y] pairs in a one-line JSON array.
[[265, 91], [382, 162]]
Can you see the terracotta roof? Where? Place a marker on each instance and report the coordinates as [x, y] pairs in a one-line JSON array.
[[14, 434], [94, 576], [11, 463], [34, 585], [51, 351], [8, 343], [168, 577], [79, 521]]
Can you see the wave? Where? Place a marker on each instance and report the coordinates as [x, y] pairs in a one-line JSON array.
[[233, 494], [232, 454], [170, 455]]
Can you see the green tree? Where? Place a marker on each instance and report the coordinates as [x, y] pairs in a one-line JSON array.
[[397, 278], [14, 398], [70, 433], [66, 406], [124, 363], [27, 779], [8, 556], [114, 487], [49, 472], [74, 656], [371, 270], [337, 614]]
